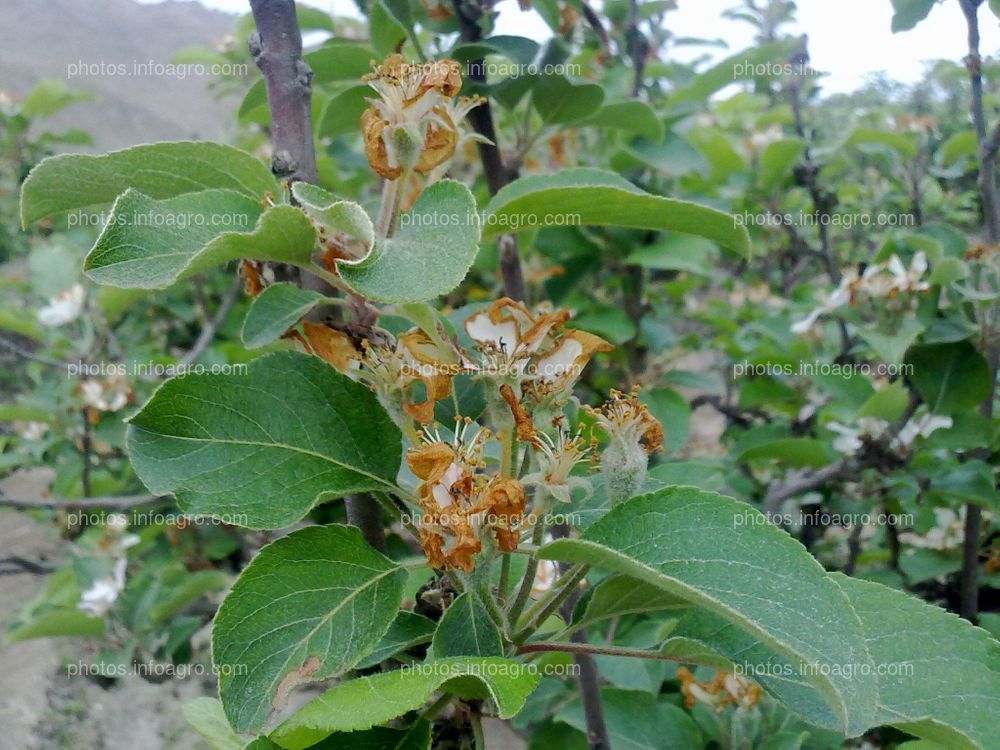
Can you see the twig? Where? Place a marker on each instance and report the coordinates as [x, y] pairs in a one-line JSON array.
[[209, 330], [21, 564], [803, 481], [276, 47], [496, 173], [588, 678], [26, 354], [595, 23], [84, 503], [969, 587]]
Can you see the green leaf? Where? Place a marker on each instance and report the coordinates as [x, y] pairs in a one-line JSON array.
[[949, 377], [260, 447], [895, 141], [995, 7], [466, 630], [938, 676], [959, 146], [415, 737], [678, 252], [622, 595], [192, 586], [329, 63], [887, 404], [206, 717], [633, 116], [337, 216], [64, 621], [558, 100], [908, 13], [49, 96], [796, 452], [160, 170], [949, 270], [673, 412], [727, 558], [596, 197], [274, 311], [777, 161], [190, 233], [343, 112], [638, 721], [429, 254], [741, 66], [307, 607], [407, 630], [363, 703]]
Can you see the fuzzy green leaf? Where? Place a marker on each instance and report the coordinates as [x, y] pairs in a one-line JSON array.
[[366, 702], [189, 233], [274, 311], [595, 197], [725, 557], [466, 630], [938, 676], [160, 170], [259, 448], [430, 253], [307, 607]]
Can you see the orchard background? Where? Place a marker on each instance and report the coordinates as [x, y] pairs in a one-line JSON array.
[[395, 377]]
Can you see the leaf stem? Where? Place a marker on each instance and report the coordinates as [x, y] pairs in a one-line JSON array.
[[477, 730], [528, 580], [541, 610]]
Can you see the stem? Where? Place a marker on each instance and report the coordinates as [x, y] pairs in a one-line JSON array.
[[276, 47], [363, 512], [435, 708], [590, 648], [504, 577], [496, 173], [528, 580], [541, 610], [392, 190], [969, 587], [486, 596], [477, 730], [396, 512]]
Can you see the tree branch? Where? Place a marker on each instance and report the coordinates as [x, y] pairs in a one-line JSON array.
[[496, 172], [276, 47], [969, 587]]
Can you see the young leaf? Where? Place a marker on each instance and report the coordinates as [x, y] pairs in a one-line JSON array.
[[621, 595], [466, 630], [938, 676], [307, 607], [407, 630], [558, 100], [366, 702], [595, 197], [777, 161], [189, 233], [259, 448], [160, 170], [274, 311], [727, 558], [428, 255], [633, 116]]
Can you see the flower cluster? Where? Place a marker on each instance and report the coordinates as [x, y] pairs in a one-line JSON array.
[[726, 688], [462, 506], [414, 122], [878, 281]]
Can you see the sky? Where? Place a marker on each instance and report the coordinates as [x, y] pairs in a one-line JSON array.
[[849, 39]]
